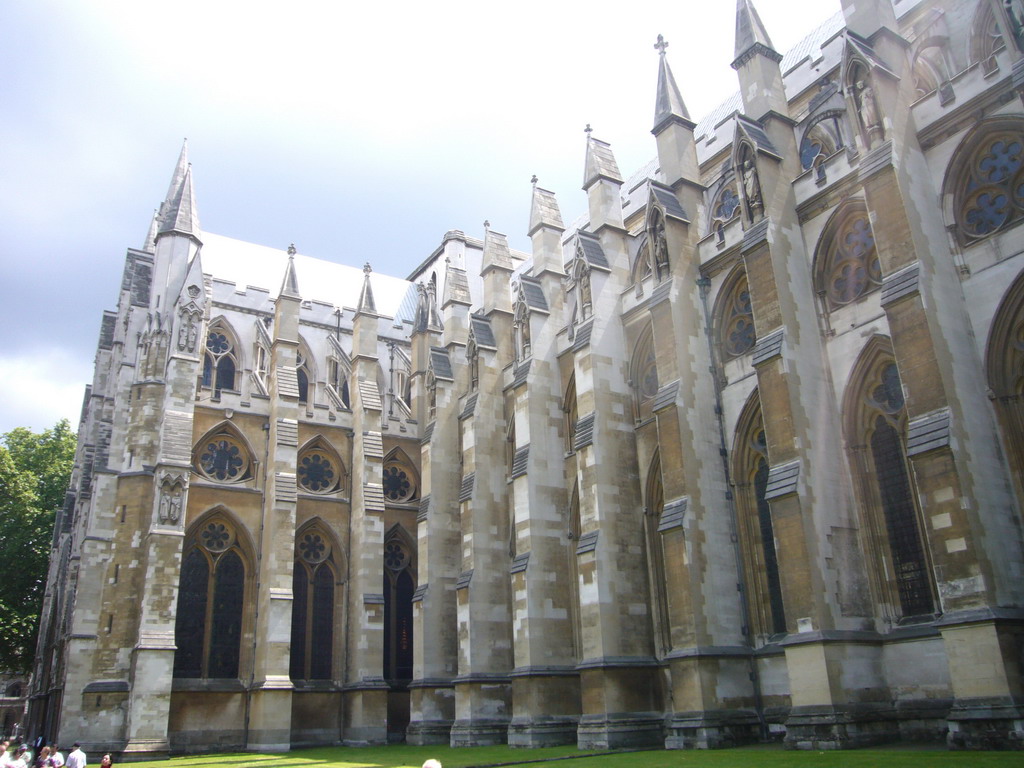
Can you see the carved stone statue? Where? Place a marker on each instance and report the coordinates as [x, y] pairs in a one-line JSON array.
[[171, 497], [752, 190], [867, 110]]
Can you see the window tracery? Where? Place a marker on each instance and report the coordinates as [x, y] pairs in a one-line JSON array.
[[302, 374], [399, 585], [220, 362], [877, 425], [338, 380], [644, 375], [211, 595], [313, 605], [820, 141], [735, 318], [990, 192], [319, 470], [849, 267], [572, 416], [223, 457], [642, 263], [399, 479]]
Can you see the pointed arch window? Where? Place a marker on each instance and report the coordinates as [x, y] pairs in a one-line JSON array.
[[642, 263], [572, 534], [211, 596], [655, 498], [399, 585], [1005, 367], [319, 470], [886, 486], [314, 580], [644, 375], [821, 140], [302, 374], [223, 456], [401, 481], [986, 39], [725, 206], [220, 362], [757, 533], [848, 267], [572, 415], [735, 317], [988, 169]]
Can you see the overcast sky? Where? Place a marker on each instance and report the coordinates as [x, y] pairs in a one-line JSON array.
[[358, 131]]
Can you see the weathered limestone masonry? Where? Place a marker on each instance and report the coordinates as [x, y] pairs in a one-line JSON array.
[[365, 709], [736, 455], [440, 560], [545, 707]]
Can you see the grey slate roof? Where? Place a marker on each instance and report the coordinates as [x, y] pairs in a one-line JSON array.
[[668, 200], [441, 364], [533, 293], [482, 331], [755, 131], [592, 250]]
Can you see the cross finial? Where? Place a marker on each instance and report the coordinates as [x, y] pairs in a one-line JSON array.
[[661, 45], [291, 250], [367, 269], [487, 224], [588, 130], [534, 180]]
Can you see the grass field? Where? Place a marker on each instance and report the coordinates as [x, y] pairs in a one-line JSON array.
[[569, 757]]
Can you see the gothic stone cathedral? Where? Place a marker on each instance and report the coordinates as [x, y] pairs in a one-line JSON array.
[[737, 455]]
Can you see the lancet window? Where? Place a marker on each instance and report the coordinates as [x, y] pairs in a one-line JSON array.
[[1005, 365], [877, 427], [211, 596], [220, 362], [757, 533], [314, 578], [644, 375], [399, 586], [302, 370], [338, 380]]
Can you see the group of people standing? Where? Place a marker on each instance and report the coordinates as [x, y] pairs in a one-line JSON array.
[[47, 757]]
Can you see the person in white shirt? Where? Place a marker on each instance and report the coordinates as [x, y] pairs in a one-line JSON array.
[[19, 758], [77, 757], [56, 758]]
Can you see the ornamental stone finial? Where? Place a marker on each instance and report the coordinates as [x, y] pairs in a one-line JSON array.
[[588, 130], [291, 250], [661, 45], [367, 269], [534, 180]]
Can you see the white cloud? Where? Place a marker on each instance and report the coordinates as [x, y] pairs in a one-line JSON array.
[[36, 392]]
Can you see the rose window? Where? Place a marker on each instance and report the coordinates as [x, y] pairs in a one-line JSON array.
[[223, 459], [316, 474], [217, 343], [397, 485], [216, 537], [395, 556], [992, 195], [313, 548]]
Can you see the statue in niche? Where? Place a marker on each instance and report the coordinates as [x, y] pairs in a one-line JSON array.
[[586, 300], [188, 333], [867, 111], [524, 335], [752, 190], [171, 498]]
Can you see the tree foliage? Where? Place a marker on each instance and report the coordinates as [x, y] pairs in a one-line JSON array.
[[34, 472]]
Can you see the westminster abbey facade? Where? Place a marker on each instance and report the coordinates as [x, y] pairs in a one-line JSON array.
[[736, 456]]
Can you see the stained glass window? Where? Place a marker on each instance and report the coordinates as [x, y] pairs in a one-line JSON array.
[[211, 596], [771, 560], [991, 194], [851, 268], [399, 482], [223, 458], [219, 363], [399, 586], [318, 471], [737, 334], [313, 582]]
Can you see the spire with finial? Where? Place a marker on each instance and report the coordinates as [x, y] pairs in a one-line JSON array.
[[154, 226], [178, 211], [668, 104], [366, 303], [290, 284], [751, 36], [544, 210]]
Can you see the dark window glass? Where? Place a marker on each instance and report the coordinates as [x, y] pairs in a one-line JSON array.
[[226, 373], [303, 386], [323, 625], [207, 370], [771, 563], [226, 632], [901, 521], [189, 625], [300, 582]]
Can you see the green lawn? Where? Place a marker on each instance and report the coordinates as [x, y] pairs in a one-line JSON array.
[[569, 757]]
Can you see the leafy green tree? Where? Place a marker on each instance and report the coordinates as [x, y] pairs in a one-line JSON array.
[[34, 473]]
